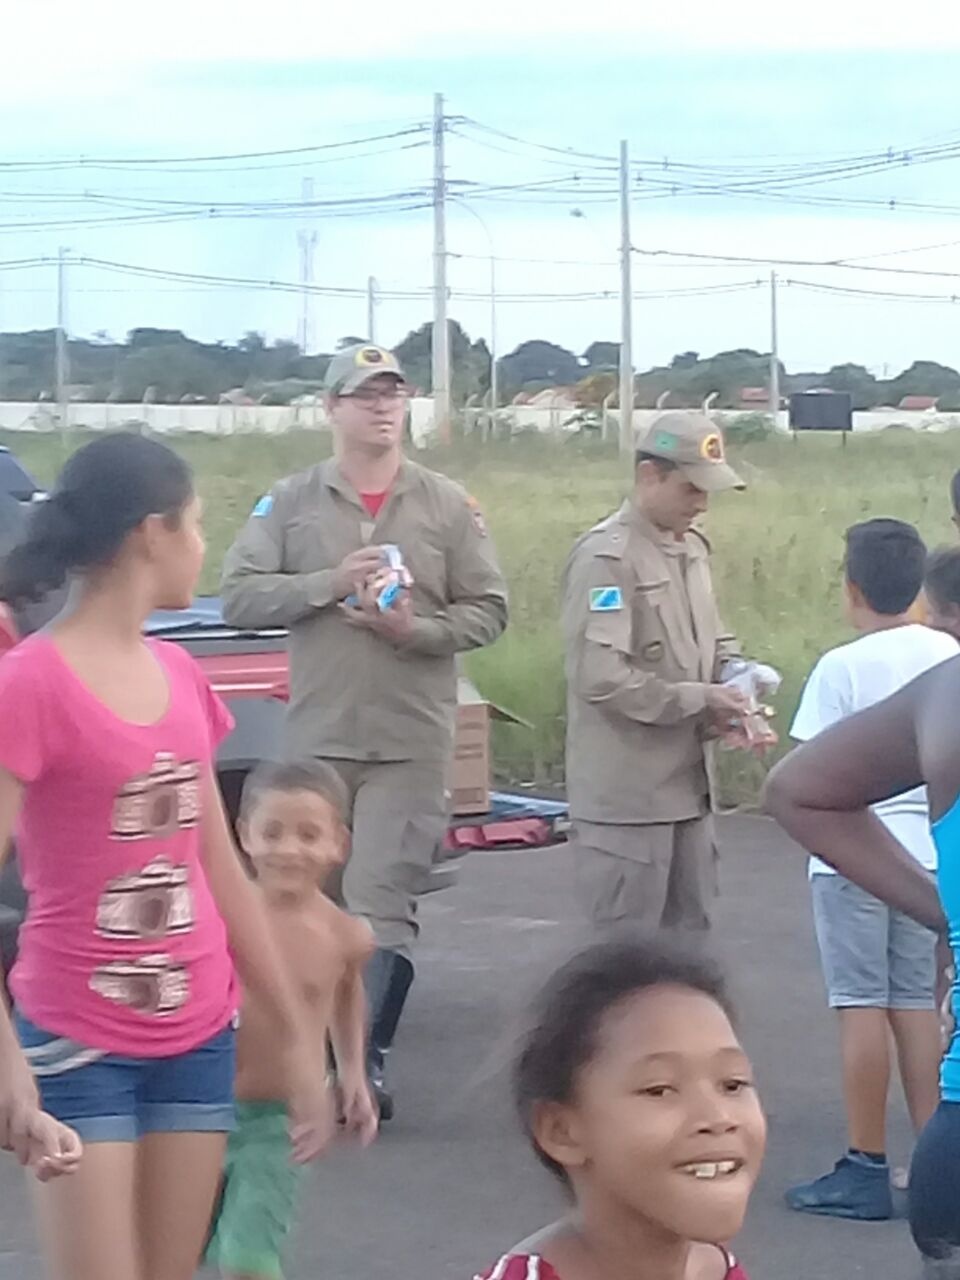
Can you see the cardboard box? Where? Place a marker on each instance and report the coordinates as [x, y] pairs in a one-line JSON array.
[[470, 774]]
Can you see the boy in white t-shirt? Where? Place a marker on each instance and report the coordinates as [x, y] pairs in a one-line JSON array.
[[878, 964]]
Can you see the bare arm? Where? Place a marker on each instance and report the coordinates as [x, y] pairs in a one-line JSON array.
[[348, 1036], [262, 972], [821, 795], [16, 1083], [348, 1025], [38, 1141]]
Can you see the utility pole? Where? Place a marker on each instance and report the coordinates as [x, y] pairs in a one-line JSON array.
[[62, 365], [371, 309], [626, 310], [493, 337], [441, 333], [307, 241], [774, 352]]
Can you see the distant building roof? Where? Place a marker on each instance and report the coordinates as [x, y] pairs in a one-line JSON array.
[[921, 403], [554, 397]]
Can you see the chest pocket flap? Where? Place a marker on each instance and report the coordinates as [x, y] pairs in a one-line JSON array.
[[663, 636]]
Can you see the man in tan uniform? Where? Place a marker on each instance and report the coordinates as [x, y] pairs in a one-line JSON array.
[[373, 693], [644, 647]]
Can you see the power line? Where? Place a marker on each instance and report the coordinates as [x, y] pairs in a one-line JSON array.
[[886, 295], [394, 202], [841, 264], [290, 286], [879, 159], [128, 162], [547, 262]]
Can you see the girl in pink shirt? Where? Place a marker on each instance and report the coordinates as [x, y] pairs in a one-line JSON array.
[[635, 1093], [124, 990]]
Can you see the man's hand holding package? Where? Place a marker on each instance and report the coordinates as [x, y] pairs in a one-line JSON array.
[[731, 719], [394, 624], [355, 571]]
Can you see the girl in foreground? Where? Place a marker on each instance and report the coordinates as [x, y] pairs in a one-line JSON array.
[[124, 988], [635, 1093]]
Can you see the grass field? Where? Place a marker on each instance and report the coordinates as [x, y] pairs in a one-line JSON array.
[[777, 547]]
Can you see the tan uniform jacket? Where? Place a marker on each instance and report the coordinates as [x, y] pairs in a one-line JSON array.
[[353, 694], [638, 658]]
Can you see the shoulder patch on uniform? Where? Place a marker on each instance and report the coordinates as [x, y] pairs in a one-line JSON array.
[[605, 599], [477, 515], [264, 506]]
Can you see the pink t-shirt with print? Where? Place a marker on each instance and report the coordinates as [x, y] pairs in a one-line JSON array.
[[123, 949]]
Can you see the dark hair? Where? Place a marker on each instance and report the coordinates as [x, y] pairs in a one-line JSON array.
[[942, 579], [567, 1015], [885, 560], [663, 465], [955, 491], [300, 775], [104, 492]]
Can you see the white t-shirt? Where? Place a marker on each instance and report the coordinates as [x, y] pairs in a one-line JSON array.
[[857, 675]]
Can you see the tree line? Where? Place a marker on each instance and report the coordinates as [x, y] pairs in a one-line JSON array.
[[167, 366]]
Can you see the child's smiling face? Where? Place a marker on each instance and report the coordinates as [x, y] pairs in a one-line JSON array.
[[664, 1123], [294, 840]]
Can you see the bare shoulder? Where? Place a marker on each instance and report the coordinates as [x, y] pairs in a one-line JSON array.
[[351, 937], [357, 937]]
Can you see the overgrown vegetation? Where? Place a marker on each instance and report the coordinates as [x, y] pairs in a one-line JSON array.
[[777, 547]]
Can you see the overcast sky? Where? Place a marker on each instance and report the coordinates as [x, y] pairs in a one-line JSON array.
[[702, 85]]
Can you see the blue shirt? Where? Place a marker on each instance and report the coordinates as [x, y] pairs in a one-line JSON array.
[[946, 835]]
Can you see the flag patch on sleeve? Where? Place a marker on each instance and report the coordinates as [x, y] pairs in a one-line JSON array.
[[605, 599], [264, 506]]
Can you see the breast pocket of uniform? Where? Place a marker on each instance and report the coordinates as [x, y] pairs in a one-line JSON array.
[[305, 549], [650, 639], [427, 563]]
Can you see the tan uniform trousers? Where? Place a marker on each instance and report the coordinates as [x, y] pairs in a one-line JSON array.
[[654, 876], [398, 821]]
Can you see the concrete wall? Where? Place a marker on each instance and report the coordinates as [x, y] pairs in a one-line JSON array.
[[225, 419]]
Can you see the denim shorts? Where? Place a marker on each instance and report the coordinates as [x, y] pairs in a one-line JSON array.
[[873, 956], [107, 1097]]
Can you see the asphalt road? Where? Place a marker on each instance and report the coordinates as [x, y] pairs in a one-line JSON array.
[[449, 1185]]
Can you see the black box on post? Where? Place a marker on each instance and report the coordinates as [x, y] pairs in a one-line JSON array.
[[821, 411]]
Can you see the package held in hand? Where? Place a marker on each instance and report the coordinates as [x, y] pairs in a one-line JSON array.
[[756, 681], [392, 578]]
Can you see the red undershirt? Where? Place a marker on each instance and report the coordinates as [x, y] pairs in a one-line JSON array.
[[374, 501]]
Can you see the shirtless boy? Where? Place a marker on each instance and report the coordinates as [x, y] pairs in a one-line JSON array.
[[292, 830]]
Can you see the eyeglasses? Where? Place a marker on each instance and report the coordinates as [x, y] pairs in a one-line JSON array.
[[370, 396]]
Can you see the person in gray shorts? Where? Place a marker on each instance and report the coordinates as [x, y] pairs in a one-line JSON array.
[[873, 956], [879, 965]]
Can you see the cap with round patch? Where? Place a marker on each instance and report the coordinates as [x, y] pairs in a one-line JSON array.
[[695, 444], [351, 368]]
